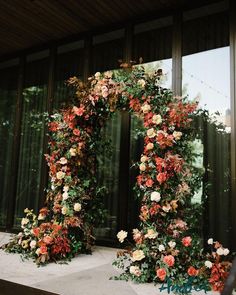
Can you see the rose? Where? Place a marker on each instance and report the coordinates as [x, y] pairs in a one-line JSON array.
[[43, 250], [192, 271], [151, 234], [142, 167], [172, 244], [47, 240], [151, 133], [135, 270], [77, 207], [145, 108], [65, 188], [137, 255], [156, 119], [186, 241], [161, 273], [33, 244], [121, 235], [64, 210], [65, 196], [155, 196], [208, 264], [41, 216], [76, 132], [161, 248], [97, 75], [60, 175], [210, 241], [149, 182], [141, 83], [144, 159], [149, 146], [220, 251], [63, 161], [169, 260], [72, 152], [177, 135], [226, 251]]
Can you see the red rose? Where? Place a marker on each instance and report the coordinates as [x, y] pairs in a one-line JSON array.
[[162, 177], [161, 273], [169, 260], [186, 241], [149, 182], [192, 271]]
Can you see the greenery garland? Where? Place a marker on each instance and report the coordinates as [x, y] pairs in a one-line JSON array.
[[168, 245]]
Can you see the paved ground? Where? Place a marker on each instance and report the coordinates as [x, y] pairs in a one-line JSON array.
[[85, 275]]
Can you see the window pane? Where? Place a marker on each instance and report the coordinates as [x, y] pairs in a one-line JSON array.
[[8, 92], [31, 138]]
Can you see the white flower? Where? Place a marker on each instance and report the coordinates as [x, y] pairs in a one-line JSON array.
[[137, 255], [135, 270], [121, 235], [108, 74], [220, 251], [52, 187], [142, 167], [172, 244], [177, 135], [226, 251], [63, 161], [161, 248], [24, 221], [144, 159], [150, 146], [141, 82], [97, 75], [145, 108], [60, 175], [156, 119], [208, 264], [77, 207], [65, 196], [151, 234], [41, 217], [64, 210], [155, 196], [73, 152], [210, 241], [151, 133], [33, 244], [66, 188]]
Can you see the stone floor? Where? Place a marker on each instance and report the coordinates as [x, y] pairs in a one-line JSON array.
[[85, 275]]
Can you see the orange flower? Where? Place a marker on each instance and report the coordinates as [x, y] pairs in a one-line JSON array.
[[43, 250], [161, 177], [169, 260], [149, 182], [186, 241], [161, 273], [192, 271]]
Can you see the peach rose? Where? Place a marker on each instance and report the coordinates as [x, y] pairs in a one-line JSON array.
[[169, 260], [43, 250], [149, 182], [161, 273], [149, 146], [161, 177], [186, 241], [192, 271]]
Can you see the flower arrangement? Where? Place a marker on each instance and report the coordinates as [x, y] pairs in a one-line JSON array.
[[167, 243]]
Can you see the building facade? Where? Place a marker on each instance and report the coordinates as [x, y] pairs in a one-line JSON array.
[[194, 45]]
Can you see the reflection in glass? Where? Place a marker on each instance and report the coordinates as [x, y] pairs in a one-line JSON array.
[[206, 79], [32, 138], [8, 92], [108, 175]]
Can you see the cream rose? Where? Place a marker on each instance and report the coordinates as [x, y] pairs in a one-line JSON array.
[[172, 244], [63, 161], [135, 270], [65, 196], [144, 159], [220, 251], [145, 108], [72, 152], [138, 255], [151, 133], [121, 235], [64, 210], [208, 264], [142, 167], [226, 251], [77, 207], [150, 146], [155, 196], [210, 241], [156, 119], [60, 175], [177, 135], [97, 75], [141, 82], [151, 234], [161, 248]]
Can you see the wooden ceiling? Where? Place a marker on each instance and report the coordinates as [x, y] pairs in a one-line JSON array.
[[30, 23]]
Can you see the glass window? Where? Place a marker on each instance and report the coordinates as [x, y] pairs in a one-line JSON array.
[[206, 70], [8, 93], [32, 137]]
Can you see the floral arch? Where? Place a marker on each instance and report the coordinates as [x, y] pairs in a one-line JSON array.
[[167, 244]]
